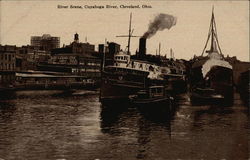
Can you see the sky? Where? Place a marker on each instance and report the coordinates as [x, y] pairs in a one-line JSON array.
[[19, 20]]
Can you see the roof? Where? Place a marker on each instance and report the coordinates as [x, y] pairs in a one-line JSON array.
[[156, 87], [41, 75]]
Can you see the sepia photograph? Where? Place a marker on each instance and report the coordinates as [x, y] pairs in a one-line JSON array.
[[124, 80]]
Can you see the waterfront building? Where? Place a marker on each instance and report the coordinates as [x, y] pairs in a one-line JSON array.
[[75, 47], [78, 47], [27, 57], [45, 42], [7, 64], [89, 66], [76, 59], [76, 64], [7, 58]]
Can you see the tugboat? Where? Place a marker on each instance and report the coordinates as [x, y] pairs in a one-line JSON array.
[[211, 76], [154, 98]]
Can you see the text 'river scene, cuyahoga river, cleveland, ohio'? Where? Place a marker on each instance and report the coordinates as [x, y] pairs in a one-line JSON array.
[[121, 101]]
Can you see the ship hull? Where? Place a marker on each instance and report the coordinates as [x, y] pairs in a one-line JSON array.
[[116, 87], [158, 105], [198, 98], [116, 93], [218, 89]]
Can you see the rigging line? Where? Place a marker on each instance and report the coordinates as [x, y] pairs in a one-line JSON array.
[[206, 44], [216, 34], [209, 33], [218, 44], [216, 37]]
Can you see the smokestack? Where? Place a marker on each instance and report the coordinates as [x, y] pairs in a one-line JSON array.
[[101, 48], [142, 47]]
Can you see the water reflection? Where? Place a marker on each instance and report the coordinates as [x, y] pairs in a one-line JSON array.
[[7, 111], [110, 117], [114, 116], [149, 126], [6, 107], [214, 110], [140, 128], [57, 125], [6, 95], [42, 126]]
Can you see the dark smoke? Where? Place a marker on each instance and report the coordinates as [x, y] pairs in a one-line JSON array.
[[160, 22]]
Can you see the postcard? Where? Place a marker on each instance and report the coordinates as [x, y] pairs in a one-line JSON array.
[[124, 80]]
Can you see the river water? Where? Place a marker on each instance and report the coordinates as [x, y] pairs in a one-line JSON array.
[[52, 125]]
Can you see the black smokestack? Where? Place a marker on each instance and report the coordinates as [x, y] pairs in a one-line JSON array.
[[142, 46], [101, 48], [160, 22]]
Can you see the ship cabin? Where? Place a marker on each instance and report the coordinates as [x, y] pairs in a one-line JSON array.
[[151, 92], [123, 64], [156, 91], [122, 59]]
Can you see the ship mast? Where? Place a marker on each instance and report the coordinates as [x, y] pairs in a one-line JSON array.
[[130, 32], [214, 38]]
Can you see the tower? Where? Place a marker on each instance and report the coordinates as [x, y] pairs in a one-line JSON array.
[[76, 38]]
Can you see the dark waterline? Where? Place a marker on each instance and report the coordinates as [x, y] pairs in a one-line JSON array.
[[56, 125]]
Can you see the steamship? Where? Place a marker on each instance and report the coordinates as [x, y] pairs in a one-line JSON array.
[[211, 75], [124, 74]]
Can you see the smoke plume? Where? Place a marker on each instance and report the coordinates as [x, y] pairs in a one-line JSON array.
[[160, 22]]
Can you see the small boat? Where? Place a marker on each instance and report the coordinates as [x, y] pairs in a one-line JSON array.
[[154, 97], [206, 96]]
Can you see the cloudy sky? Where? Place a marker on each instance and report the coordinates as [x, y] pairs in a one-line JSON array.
[[22, 19]]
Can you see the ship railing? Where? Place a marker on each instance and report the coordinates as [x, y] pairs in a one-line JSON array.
[[126, 83], [126, 70], [129, 68]]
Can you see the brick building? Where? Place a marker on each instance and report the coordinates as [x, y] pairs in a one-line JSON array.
[[27, 57], [76, 47], [7, 58], [77, 59], [7, 65], [76, 64], [45, 42]]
